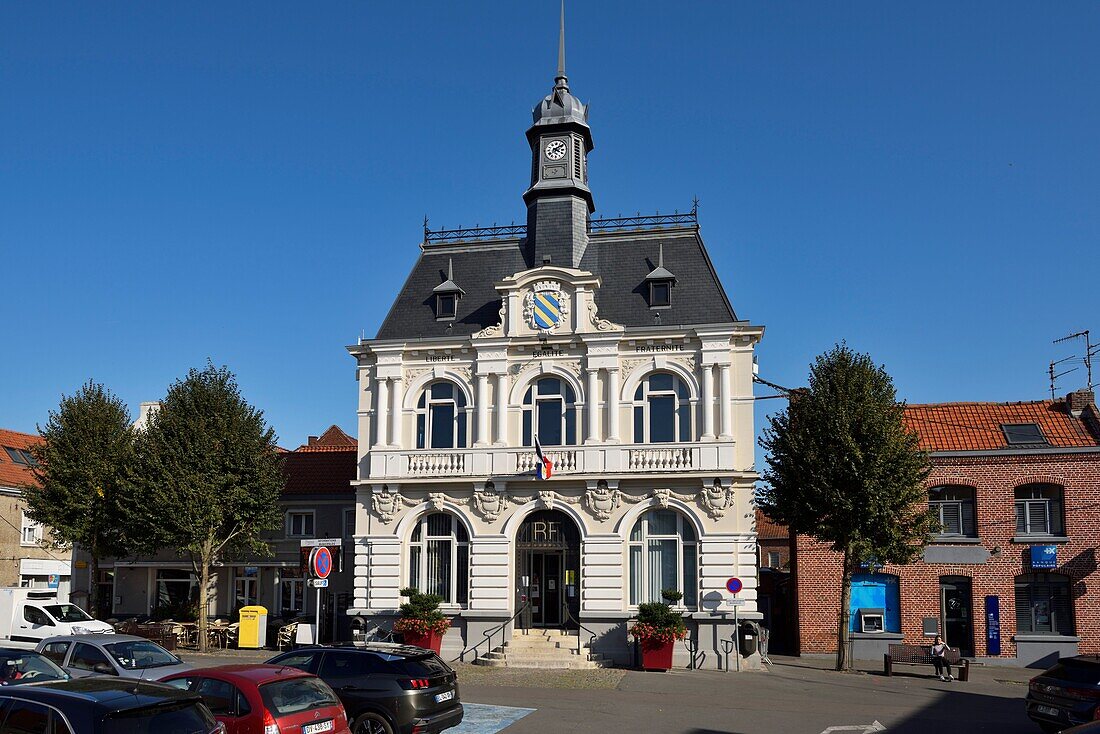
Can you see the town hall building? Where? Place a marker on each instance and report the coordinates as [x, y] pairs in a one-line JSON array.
[[611, 344]]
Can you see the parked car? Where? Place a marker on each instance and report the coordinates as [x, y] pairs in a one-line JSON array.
[[122, 655], [105, 706], [18, 667], [1066, 694], [385, 688], [266, 699]]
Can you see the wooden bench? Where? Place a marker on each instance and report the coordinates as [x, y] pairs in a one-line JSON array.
[[922, 655]]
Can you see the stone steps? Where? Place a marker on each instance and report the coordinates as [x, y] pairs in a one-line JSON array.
[[544, 649]]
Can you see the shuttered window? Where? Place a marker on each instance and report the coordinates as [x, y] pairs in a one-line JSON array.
[[1039, 510], [1043, 604], [954, 507]]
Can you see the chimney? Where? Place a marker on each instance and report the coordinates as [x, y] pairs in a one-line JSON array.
[[312, 440], [1078, 400]]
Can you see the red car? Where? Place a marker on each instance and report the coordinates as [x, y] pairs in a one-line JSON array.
[[266, 699]]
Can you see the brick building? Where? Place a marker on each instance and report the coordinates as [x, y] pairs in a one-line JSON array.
[[1016, 487], [25, 557]]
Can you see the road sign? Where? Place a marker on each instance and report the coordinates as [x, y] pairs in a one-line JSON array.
[[318, 542], [734, 585], [319, 583], [320, 562], [735, 602]]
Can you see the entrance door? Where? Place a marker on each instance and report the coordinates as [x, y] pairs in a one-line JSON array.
[[957, 612], [544, 590]]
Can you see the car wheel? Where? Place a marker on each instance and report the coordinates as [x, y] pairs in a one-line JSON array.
[[371, 723]]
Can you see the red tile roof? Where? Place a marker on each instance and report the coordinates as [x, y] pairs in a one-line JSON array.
[[325, 464], [12, 474], [768, 530], [334, 439], [977, 426]]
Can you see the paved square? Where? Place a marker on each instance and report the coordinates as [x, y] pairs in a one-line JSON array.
[[480, 718]]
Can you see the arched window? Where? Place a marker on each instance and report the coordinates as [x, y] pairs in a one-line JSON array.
[[549, 412], [1043, 604], [662, 410], [441, 417], [1039, 510], [663, 556], [954, 508], [439, 557]]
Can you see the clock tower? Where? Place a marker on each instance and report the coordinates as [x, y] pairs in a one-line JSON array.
[[559, 201]]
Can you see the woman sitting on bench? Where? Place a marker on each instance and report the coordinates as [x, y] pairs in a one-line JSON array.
[[939, 659]]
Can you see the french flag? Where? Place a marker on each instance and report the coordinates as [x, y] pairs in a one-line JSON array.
[[545, 467]]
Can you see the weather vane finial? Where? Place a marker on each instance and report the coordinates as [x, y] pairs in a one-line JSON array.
[[561, 78]]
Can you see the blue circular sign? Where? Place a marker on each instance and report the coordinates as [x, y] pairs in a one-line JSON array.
[[734, 585], [321, 562]]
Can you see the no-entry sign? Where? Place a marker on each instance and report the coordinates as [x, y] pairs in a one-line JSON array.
[[734, 585]]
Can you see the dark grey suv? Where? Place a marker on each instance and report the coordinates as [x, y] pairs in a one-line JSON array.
[[1065, 695], [385, 689]]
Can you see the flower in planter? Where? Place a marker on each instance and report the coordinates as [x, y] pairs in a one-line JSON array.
[[658, 623], [420, 614]]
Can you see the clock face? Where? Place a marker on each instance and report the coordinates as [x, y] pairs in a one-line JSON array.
[[555, 150]]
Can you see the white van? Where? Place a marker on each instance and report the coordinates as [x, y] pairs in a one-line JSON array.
[[29, 616]]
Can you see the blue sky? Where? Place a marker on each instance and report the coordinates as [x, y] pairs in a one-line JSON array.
[[245, 182]]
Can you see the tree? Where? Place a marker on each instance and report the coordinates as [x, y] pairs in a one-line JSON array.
[[845, 470], [209, 477], [86, 450]]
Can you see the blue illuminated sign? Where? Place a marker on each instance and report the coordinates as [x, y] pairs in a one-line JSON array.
[[1044, 556], [992, 626]]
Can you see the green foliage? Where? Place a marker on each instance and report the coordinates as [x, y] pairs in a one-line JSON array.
[[658, 622], [209, 475], [184, 611], [843, 467], [86, 450], [421, 613]]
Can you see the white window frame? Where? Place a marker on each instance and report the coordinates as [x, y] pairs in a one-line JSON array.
[[775, 559], [34, 528], [1052, 498], [449, 598], [938, 506], [424, 411], [643, 543], [679, 401], [532, 400], [290, 514], [240, 579]]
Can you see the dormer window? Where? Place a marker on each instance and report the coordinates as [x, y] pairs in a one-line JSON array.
[[1023, 434], [660, 280], [447, 294]]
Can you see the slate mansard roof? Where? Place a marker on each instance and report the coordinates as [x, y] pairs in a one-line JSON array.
[[621, 260]]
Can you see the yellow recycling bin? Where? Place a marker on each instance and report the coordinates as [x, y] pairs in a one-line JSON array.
[[253, 630]]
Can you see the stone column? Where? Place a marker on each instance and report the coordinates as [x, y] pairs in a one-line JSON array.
[[381, 412], [593, 400], [726, 410], [613, 404], [502, 408], [395, 419], [482, 410], [708, 402]]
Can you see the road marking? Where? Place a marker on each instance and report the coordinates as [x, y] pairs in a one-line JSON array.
[[865, 728], [481, 718]]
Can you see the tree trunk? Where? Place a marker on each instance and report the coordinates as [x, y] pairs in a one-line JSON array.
[[93, 587], [204, 600], [843, 661]]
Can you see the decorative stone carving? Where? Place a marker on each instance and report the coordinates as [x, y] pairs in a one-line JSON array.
[[629, 365], [546, 321], [496, 329], [573, 366], [715, 499], [466, 373], [597, 322], [547, 498], [385, 502], [601, 501], [414, 372], [687, 362], [661, 496], [488, 502], [436, 500]]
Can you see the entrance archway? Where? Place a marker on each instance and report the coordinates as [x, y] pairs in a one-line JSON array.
[[548, 572]]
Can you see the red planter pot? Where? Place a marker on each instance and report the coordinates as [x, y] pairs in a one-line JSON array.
[[429, 641], [656, 655]]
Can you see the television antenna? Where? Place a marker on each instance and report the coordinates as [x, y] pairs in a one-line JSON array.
[[1054, 377], [1089, 351]]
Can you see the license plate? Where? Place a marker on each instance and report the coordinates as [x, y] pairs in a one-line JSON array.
[[439, 698], [317, 728], [1047, 710]]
